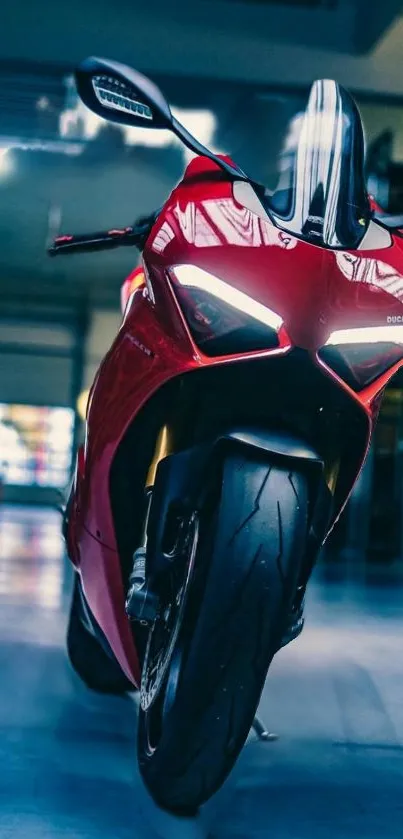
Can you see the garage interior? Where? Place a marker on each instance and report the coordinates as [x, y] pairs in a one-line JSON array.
[[237, 73]]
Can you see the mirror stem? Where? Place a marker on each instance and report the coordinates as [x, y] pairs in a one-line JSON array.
[[198, 148]]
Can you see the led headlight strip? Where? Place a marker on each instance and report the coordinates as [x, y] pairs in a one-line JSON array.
[[190, 276], [367, 335]]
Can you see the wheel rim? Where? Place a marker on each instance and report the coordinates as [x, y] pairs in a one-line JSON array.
[[164, 650]]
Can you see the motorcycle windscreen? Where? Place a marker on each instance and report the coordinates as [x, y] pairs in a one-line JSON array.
[[321, 195]]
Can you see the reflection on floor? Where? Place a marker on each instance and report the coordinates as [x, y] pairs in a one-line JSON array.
[[67, 756], [31, 552]]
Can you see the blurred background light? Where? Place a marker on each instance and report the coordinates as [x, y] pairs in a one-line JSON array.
[[6, 163], [82, 403]]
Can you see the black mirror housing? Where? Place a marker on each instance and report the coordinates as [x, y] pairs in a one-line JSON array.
[[118, 93]]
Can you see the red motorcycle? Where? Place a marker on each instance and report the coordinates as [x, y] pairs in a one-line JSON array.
[[226, 426]]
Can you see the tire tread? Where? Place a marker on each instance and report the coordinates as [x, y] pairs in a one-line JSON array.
[[249, 587]]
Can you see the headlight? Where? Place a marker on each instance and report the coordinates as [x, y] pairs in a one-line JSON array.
[[360, 355], [222, 319]]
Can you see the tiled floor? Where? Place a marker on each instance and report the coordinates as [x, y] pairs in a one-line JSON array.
[[67, 757]]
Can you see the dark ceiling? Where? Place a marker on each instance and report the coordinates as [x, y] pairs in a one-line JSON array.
[[221, 39], [305, 4]]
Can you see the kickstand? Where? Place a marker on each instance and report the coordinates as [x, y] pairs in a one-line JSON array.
[[261, 731]]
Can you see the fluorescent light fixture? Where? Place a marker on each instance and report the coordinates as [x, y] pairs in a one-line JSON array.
[[190, 276], [6, 164], [367, 335]]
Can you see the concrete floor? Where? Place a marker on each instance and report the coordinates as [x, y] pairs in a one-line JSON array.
[[67, 757]]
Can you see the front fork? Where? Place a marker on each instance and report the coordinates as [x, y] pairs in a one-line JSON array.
[[142, 604]]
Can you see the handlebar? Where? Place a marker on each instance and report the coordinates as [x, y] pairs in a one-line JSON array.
[[135, 236], [94, 241]]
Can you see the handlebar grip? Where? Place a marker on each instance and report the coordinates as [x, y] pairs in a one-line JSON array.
[[103, 240]]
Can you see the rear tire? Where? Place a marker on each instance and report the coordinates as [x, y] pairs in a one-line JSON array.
[[98, 669], [241, 590]]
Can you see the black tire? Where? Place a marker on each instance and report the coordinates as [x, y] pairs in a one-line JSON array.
[[98, 669], [242, 588]]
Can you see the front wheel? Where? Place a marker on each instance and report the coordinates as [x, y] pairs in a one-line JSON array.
[[208, 655]]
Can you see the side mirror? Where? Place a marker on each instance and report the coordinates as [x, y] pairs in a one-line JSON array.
[[120, 94]]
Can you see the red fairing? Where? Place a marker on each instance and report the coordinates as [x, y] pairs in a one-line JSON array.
[[316, 293], [132, 282]]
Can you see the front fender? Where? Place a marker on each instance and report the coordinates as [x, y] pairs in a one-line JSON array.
[[280, 444], [184, 478]]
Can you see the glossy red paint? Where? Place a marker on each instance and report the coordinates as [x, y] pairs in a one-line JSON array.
[[134, 281], [315, 292]]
